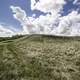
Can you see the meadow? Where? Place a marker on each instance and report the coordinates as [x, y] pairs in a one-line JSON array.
[[40, 57]]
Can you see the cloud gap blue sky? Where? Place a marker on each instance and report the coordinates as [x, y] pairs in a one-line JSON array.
[[69, 7]]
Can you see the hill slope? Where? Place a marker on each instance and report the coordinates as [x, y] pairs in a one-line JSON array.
[[40, 57]]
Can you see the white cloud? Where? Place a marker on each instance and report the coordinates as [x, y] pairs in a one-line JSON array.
[[48, 5], [53, 23], [70, 24], [5, 32], [39, 25], [76, 2], [25, 21]]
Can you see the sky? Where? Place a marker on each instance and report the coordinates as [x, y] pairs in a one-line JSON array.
[[55, 17]]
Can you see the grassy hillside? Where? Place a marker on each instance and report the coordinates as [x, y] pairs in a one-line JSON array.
[[40, 57]]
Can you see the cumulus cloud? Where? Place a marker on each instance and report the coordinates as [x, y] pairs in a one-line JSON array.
[[47, 5], [70, 24], [52, 23], [25, 21], [5, 32]]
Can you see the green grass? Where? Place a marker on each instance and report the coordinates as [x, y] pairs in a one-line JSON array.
[[40, 57]]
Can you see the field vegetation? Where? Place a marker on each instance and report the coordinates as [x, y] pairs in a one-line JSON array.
[[40, 57]]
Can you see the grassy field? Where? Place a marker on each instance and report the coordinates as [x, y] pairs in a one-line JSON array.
[[40, 57]]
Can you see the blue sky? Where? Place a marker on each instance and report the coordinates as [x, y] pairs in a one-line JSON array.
[[6, 16]]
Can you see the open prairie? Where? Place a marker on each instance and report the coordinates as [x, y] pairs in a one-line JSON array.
[[40, 57]]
